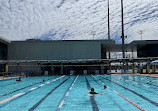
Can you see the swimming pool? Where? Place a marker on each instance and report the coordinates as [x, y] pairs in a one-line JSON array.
[[70, 93]]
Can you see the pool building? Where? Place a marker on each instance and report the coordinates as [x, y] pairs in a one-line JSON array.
[[73, 56]]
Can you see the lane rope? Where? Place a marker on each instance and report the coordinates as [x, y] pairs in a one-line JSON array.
[[19, 94], [121, 95], [66, 95]]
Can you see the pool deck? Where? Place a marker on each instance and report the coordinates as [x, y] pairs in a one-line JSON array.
[[3, 78], [152, 75]]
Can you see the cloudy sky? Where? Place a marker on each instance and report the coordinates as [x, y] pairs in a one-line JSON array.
[[77, 19]]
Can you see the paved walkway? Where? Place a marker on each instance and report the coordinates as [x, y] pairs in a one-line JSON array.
[[3, 78], [152, 75]]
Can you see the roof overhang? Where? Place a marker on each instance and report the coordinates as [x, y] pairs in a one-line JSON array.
[[5, 41], [131, 47]]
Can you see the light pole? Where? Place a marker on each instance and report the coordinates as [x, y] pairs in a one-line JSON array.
[[93, 33], [141, 33], [108, 22], [123, 38], [108, 25]]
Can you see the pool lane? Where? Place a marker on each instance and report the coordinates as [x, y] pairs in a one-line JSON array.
[[137, 85], [143, 84], [20, 84], [151, 82], [137, 96], [92, 98], [19, 89], [7, 80], [7, 84], [66, 95], [49, 93], [78, 98], [126, 99], [137, 91], [13, 81], [27, 100], [110, 100], [53, 100], [49, 96]]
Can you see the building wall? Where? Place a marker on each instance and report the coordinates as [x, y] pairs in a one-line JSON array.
[[53, 50], [3, 51], [24, 67], [148, 51]]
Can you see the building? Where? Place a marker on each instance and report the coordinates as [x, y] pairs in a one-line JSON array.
[[65, 56]]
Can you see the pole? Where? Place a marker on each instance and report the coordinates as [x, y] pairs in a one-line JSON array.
[[123, 38], [141, 36], [141, 32], [108, 25], [93, 33], [108, 22]]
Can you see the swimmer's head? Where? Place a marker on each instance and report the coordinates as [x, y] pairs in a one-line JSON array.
[[105, 86], [92, 89]]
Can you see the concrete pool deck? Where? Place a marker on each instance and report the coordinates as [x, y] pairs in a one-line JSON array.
[[3, 78], [152, 75]]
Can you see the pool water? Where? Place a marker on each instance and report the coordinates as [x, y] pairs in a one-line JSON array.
[[71, 93]]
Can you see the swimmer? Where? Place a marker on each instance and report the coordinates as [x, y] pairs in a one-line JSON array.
[[19, 79], [105, 86], [148, 82], [92, 92], [43, 80]]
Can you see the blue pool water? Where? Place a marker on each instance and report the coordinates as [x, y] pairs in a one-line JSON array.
[[70, 93]]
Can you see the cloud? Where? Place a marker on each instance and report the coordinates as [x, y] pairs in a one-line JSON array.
[[75, 19]]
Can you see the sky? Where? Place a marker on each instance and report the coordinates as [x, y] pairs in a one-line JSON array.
[[77, 19]]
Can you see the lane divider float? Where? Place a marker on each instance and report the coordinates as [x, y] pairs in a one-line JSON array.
[[121, 96], [19, 94]]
